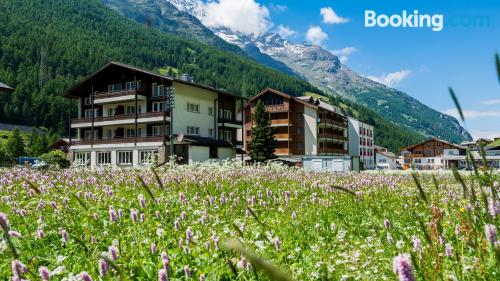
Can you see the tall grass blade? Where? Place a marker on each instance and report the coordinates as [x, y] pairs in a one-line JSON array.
[[148, 191], [33, 186], [157, 177], [270, 270], [461, 181], [343, 189], [497, 60], [457, 104], [419, 187]]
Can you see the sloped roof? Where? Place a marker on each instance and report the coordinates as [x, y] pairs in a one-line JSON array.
[[436, 139], [67, 93]]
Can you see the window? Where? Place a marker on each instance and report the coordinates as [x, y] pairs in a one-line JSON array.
[[88, 134], [131, 85], [228, 115], [193, 130], [88, 100], [191, 107], [124, 158], [115, 87], [213, 152], [147, 156], [103, 158], [130, 132], [418, 161], [157, 106], [228, 135], [158, 90], [111, 111], [88, 113], [157, 130], [210, 110], [109, 134], [130, 109], [82, 158], [210, 132]]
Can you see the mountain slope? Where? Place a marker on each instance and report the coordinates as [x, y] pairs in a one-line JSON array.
[[166, 17], [76, 37], [324, 70]]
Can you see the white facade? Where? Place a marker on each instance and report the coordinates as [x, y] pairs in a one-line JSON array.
[[310, 131], [361, 142], [126, 135]]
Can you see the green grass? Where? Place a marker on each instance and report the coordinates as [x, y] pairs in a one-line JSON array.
[[324, 233]]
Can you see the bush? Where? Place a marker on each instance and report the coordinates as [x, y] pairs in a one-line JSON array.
[[56, 158]]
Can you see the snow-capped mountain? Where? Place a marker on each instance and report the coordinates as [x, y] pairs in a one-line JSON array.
[[324, 70]]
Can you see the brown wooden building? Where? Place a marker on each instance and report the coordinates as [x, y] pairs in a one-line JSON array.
[[304, 126]]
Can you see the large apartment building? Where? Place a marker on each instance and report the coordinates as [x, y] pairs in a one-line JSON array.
[[304, 126], [120, 116], [361, 143]]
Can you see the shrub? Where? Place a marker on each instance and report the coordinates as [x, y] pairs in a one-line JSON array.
[[56, 158]]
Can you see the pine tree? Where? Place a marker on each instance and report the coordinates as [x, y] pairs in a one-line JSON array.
[[263, 142], [15, 145]]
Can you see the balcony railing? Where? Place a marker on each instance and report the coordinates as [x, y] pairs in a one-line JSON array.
[[230, 121], [328, 121], [118, 117], [277, 108], [332, 136], [333, 151], [117, 140], [125, 92]]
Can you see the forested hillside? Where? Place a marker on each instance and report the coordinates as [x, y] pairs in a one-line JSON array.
[[73, 38]]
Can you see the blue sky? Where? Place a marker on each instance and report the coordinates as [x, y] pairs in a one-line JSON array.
[[418, 61]]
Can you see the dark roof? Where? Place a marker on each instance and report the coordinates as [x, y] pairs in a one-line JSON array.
[[67, 93], [436, 139], [204, 141], [6, 88], [270, 90], [26, 129]]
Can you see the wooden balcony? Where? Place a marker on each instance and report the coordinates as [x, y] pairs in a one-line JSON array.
[[117, 140], [230, 121], [118, 96], [331, 122], [280, 122], [281, 137], [277, 108], [118, 117], [332, 136]]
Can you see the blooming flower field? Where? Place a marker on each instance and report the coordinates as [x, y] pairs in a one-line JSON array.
[[282, 224]]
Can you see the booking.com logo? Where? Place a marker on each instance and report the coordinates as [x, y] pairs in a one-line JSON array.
[[435, 22]]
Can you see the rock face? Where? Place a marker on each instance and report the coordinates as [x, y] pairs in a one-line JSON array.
[[310, 62]]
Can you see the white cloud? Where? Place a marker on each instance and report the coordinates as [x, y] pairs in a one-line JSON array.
[[491, 102], [472, 113], [391, 79], [343, 54], [477, 134], [245, 16], [278, 7], [329, 16], [285, 31], [315, 35]]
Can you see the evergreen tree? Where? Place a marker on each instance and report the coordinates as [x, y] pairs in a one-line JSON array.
[[15, 145], [263, 142]]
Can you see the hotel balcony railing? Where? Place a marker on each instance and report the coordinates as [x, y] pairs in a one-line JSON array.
[[117, 140], [334, 151], [230, 121], [118, 117], [277, 108], [124, 92], [327, 121], [332, 136]]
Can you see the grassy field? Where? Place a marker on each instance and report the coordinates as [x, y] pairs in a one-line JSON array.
[[223, 222]]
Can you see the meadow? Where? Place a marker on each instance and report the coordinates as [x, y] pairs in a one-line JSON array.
[[225, 222]]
